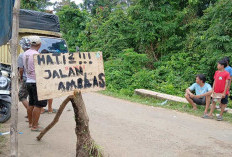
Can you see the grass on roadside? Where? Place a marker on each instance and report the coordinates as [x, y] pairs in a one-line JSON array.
[[182, 107]]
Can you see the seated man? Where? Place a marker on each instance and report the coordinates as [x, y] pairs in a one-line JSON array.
[[203, 93]]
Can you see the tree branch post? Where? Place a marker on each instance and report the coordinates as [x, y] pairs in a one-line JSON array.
[[55, 120], [85, 145], [14, 81]]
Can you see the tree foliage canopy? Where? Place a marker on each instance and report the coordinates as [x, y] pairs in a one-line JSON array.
[[38, 5], [159, 45], [72, 22], [181, 39]]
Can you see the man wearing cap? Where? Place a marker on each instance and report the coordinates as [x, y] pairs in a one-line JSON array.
[[23, 94], [35, 105]]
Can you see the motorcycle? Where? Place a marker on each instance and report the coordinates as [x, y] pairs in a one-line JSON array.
[[5, 95]]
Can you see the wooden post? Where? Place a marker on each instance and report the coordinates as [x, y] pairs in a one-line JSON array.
[[14, 81], [85, 146]]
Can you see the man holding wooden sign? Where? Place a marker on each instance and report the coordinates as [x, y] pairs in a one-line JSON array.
[[35, 105], [60, 74]]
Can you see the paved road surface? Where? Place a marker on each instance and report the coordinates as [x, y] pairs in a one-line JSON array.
[[125, 129]]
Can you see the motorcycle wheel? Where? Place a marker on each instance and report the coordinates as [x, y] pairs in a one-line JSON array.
[[5, 111]]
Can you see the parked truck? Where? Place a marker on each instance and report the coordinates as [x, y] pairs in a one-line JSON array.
[[31, 23], [42, 24]]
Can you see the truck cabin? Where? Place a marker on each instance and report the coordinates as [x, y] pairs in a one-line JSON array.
[[44, 25], [52, 45]]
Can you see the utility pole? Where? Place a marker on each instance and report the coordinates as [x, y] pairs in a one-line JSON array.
[[14, 81]]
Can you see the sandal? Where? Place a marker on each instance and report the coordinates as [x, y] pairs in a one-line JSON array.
[[53, 111], [38, 129], [205, 116], [45, 110]]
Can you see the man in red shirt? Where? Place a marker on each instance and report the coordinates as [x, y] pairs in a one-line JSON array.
[[220, 89]]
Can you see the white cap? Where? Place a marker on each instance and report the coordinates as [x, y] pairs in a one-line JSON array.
[[34, 40]]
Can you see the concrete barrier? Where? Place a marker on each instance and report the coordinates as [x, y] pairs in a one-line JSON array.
[[163, 96], [158, 95]]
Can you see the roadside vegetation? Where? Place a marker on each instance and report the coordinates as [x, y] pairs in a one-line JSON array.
[[157, 45]]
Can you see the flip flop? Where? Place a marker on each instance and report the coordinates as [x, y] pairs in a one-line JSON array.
[[30, 125], [38, 129], [45, 110], [205, 116], [53, 111]]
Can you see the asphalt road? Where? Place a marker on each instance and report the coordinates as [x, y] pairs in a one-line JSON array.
[[126, 129]]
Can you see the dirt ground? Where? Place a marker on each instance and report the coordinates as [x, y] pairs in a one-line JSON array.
[[126, 129], [5, 140]]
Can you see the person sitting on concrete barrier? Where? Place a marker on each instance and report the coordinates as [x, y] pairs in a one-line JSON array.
[[203, 93]]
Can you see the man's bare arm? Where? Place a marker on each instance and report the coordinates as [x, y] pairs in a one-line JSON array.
[[205, 94], [188, 91], [226, 87], [21, 73], [213, 87], [229, 84]]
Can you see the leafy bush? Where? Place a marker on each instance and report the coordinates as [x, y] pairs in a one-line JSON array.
[[159, 45], [128, 72]]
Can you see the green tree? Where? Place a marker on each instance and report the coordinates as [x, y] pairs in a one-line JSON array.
[[211, 35], [72, 22], [58, 5], [169, 41], [94, 5], [39, 5], [110, 35]]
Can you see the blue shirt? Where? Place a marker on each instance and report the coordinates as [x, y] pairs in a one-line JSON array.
[[20, 64], [229, 70], [200, 90]]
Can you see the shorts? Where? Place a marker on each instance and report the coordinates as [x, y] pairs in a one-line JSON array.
[[33, 97], [23, 93], [199, 101], [225, 100]]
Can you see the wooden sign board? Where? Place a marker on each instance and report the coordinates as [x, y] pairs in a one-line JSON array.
[[59, 74]]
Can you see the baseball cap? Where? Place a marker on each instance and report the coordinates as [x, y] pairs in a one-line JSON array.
[[35, 40]]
